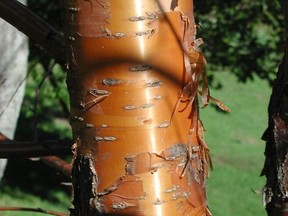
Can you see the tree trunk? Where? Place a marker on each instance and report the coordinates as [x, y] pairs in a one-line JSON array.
[[133, 82], [276, 137], [13, 64]]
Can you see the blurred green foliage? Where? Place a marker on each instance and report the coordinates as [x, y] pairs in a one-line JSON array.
[[243, 37], [44, 112]]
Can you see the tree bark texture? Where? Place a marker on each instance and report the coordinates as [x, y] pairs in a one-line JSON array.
[[133, 81], [13, 67], [276, 137]]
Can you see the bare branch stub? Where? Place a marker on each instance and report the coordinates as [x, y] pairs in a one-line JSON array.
[[15, 149]]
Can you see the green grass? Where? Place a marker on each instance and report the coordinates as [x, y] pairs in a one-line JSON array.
[[32, 184], [235, 145], [16, 197]]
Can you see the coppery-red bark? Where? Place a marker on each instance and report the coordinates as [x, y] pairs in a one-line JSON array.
[[134, 74]]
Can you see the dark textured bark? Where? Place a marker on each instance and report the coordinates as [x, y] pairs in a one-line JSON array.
[[276, 137], [82, 178]]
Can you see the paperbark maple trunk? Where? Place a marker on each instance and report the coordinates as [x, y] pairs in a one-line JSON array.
[[138, 149], [276, 136]]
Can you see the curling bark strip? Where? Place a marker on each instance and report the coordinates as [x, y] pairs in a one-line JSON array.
[[133, 82]]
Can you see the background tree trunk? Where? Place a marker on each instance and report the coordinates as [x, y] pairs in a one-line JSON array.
[[13, 67], [276, 137], [138, 149]]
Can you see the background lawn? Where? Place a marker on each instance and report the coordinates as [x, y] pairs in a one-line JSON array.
[[236, 147]]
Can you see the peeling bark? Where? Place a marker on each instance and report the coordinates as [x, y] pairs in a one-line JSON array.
[[134, 73], [133, 80], [82, 179]]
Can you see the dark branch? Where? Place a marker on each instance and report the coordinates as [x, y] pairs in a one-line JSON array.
[[58, 164], [14, 149], [39, 210], [34, 27]]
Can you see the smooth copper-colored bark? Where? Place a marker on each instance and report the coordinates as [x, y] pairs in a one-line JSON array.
[[139, 149]]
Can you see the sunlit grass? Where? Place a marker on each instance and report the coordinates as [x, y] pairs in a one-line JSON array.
[[17, 198], [236, 147]]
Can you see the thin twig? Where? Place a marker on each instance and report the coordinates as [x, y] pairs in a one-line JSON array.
[[39, 210], [54, 84], [37, 93], [14, 93]]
